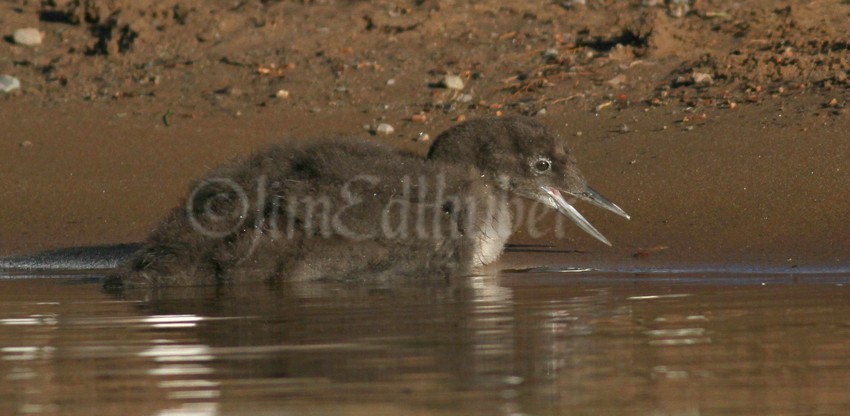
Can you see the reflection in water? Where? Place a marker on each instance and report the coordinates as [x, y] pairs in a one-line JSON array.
[[178, 365], [514, 344]]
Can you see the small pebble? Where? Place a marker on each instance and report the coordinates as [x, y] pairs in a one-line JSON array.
[[26, 143], [689, 128], [616, 81], [624, 128], [701, 78], [282, 94], [678, 8], [603, 106], [419, 118], [578, 133], [208, 35], [391, 81], [423, 137], [570, 4], [29, 36], [384, 129], [9, 83], [465, 98], [540, 112], [453, 82]]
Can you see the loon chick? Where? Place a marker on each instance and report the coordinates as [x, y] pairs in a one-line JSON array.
[[345, 208]]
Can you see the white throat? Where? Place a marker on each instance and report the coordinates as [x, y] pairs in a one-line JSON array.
[[493, 230]]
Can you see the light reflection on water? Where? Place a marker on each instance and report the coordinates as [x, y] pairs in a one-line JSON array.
[[515, 344]]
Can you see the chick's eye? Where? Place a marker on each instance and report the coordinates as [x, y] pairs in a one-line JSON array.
[[542, 165]]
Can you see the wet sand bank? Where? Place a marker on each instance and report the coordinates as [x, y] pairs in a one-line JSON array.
[[749, 187]]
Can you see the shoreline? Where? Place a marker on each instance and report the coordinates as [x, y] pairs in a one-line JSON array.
[[726, 142]]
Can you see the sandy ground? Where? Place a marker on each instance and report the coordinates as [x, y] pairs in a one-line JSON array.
[[723, 131]]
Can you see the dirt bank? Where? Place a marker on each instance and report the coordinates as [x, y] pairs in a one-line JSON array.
[[720, 127]]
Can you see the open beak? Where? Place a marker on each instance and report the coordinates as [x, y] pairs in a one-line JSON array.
[[594, 198], [588, 195]]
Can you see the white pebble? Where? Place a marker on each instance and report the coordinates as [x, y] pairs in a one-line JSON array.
[[701, 78], [453, 82], [384, 128], [391, 81], [29, 36], [282, 94], [9, 83]]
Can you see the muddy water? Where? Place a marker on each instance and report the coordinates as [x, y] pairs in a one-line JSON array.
[[519, 343]]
